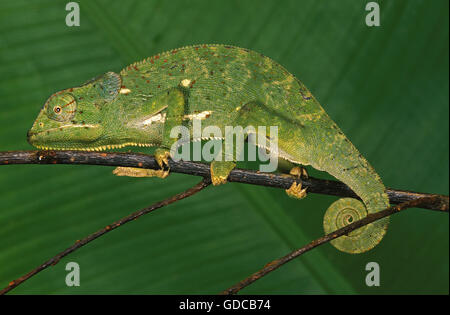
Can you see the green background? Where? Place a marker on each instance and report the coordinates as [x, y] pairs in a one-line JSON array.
[[386, 87]]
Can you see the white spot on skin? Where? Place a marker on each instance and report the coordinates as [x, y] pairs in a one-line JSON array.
[[124, 91], [185, 82], [202, 115], [156, 118]]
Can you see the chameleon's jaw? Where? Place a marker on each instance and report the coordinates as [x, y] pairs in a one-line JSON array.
[[81, 137], [53, 139], [95, 148]]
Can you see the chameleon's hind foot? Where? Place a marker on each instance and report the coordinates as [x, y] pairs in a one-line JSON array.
[[299, 172], [220, 171], [139, 172], [296, 190]]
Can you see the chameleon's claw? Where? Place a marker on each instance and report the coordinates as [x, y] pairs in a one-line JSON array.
[[296, 191], [162, 157], [218, 180], [139, 172]]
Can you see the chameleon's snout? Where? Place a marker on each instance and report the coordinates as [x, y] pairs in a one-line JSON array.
[[31, 137]]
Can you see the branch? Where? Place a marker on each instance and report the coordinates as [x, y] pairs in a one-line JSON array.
[[78, 244], [275, 264], [313, 185], [407, 199]]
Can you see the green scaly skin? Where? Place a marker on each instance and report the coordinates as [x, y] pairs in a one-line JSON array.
[[222, 85]]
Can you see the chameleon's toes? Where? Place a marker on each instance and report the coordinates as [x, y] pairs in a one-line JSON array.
[[304, 173], [162, 157], [296, 191], [157, 173], [299, 172], [128, 171], [218, 180], [220, 171], [139, 172]]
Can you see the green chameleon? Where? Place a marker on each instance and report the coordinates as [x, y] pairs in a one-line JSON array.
[[223, 86]]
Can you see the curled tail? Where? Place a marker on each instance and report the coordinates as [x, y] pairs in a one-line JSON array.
[[356, 173], [347, 210]]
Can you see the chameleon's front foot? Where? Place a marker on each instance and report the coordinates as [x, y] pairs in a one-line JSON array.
[[162, 158], [296, 190], [220, 171]]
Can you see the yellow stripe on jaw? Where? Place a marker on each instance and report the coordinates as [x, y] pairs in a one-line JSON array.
[[100, 148]]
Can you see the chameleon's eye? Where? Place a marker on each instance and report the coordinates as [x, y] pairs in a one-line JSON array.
[[61, 107]]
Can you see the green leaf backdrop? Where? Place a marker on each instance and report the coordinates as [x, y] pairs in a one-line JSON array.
[[387, 87]]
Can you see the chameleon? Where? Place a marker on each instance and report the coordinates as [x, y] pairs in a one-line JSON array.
[[221, 85]]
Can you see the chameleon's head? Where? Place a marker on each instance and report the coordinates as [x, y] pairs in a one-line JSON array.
[[74, 118]]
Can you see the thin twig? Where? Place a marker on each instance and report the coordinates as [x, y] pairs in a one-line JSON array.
[[313, 185], [275, 264], [78, 244]]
